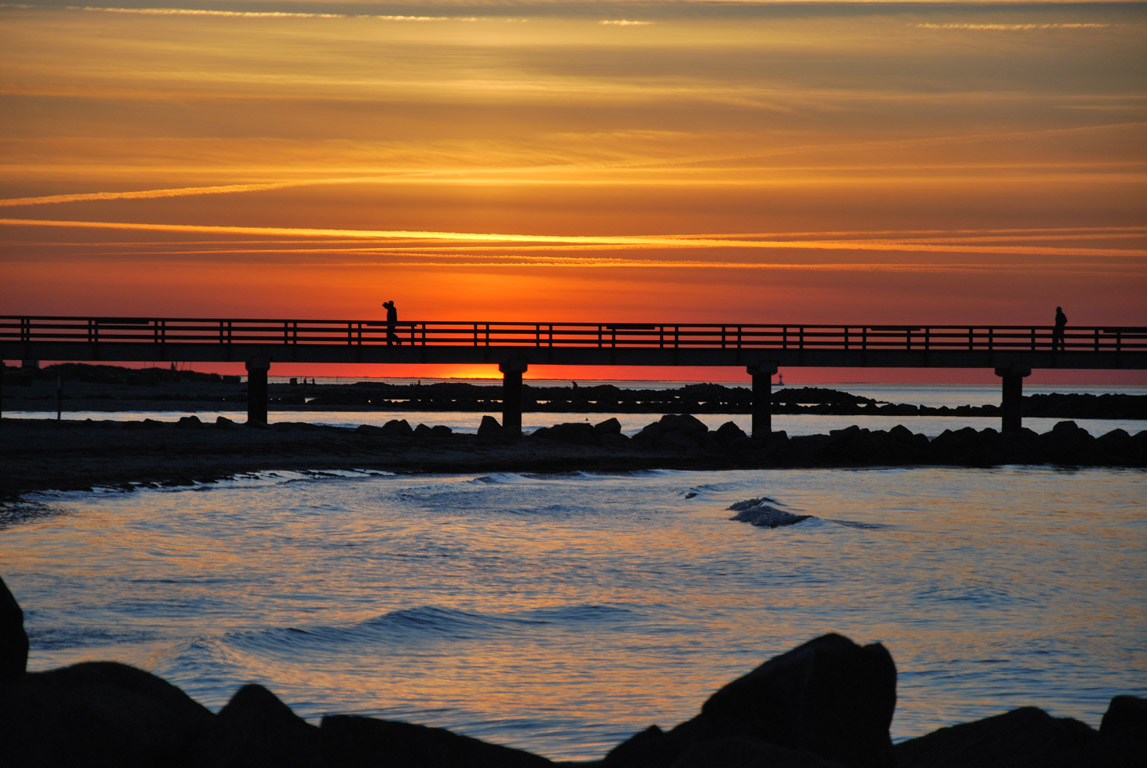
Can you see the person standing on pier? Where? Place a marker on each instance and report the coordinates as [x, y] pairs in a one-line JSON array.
[[391, 322], [1057, 333]]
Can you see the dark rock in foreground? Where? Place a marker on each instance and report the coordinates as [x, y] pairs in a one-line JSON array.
[[826, 703], [13, 638]]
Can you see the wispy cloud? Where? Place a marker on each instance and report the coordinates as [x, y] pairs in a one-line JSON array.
[[1001, 27], [281, 14], [509, 240]]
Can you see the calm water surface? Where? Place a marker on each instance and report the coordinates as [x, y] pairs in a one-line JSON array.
[[563, 613]]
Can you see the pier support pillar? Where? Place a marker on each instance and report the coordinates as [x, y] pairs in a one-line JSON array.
[[762, 374], [512, 371], [1011, 406], [257, 368]]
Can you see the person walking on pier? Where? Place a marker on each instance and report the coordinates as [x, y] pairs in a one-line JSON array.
[[391, 322], [1057, 342]]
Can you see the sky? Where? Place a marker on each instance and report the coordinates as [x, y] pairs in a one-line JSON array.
[[524, 160]]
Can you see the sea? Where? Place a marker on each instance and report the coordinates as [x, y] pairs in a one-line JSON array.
[[562, 613]]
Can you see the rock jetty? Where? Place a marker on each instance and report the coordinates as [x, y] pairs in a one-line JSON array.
[[38, 455], [827, 703]]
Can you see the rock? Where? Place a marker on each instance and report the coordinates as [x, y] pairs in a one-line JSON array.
[[830, 697], [685, 424], [1125, 713], [13, 637], [1066, 443], [576, 433], [610, 426], [189, 422], [397, 428], [759, 512], [97, 714], [729, 433], [679, 430], [743, 752], [490, 431], [368, 429], [1022, 738], [1122, 739], [362, 741], [257, 730], [222, 422]]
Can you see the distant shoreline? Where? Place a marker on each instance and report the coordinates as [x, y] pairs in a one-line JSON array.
[[100, 388]]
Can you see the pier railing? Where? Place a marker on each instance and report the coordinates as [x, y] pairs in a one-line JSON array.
[[351, 333]]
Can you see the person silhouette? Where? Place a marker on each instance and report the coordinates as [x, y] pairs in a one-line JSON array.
[[391, 322], [1057, 333]]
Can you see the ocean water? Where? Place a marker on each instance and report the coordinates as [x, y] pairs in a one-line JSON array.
[[563, 613]]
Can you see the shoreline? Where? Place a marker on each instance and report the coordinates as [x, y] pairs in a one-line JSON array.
[[45, 455]]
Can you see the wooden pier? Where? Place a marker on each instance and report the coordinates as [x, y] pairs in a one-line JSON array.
[[1012, 352]]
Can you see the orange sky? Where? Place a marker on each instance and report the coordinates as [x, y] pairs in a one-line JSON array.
[[658, 162]]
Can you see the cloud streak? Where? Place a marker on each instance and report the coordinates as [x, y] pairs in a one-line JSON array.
[[724, 241]]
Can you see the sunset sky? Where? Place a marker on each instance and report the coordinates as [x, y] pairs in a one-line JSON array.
[[670, 162]]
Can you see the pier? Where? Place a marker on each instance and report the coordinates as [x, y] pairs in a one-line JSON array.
[[1012, 352]]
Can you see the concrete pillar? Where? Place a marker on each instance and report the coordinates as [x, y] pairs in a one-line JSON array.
[[1011, 406], [512, 371], [257, 368], [762, 398]]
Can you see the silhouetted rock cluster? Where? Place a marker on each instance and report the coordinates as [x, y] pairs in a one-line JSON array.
[[1066, 444], [826, 703]]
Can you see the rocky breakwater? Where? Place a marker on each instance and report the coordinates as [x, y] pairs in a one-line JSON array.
[[728, 445], [826, 703]]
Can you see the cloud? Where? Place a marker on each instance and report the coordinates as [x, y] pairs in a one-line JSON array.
[[1024, 27], [278, 14], [508, 241]]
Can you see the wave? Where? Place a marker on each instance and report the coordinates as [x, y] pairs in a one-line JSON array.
[[24, 511], [53, 638], [422, 625]]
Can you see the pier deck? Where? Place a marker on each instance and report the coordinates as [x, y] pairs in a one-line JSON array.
[[1011, 351]]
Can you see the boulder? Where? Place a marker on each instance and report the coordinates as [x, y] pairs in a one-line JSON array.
[[490, 431], [257, 730], [1023, 738], [13, 638], [1125, 713], [576, 433], [189, 422], [1122, 739], [830, 697], [743, 752], [681, 430], [349, 740], [610, 426], [97, 714], [761, 513], [1066, 443], [397, 428]]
